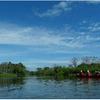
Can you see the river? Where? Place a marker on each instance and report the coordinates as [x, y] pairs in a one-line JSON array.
[[49, 88]]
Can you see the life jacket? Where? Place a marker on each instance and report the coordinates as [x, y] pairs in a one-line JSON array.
[[82, 73], [89, 73]]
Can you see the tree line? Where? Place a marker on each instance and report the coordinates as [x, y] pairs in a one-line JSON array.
[[8, 68], [85, 63]]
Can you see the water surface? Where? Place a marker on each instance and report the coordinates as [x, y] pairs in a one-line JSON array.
[[49, 88]]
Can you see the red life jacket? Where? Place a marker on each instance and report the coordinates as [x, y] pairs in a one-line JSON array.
[[82, 73], [89, 73]]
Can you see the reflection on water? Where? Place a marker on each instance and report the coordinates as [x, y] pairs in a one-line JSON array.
[[85, 81], [49, 88], [89, 81], [10, 81], [8, 85]]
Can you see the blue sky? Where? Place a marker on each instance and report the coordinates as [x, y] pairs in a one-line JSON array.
[[45, 33]]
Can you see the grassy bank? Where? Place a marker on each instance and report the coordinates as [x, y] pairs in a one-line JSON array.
[[8, 75]]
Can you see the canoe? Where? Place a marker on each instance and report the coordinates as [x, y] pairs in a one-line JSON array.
[[85, 76]]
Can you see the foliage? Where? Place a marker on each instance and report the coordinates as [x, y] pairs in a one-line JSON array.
[[10, 69], [8, 75], [19, 70], [88, 63]]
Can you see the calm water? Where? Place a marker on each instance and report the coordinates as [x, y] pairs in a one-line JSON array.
[[48, 88]]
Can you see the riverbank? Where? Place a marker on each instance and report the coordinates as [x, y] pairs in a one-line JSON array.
[[8, 75]]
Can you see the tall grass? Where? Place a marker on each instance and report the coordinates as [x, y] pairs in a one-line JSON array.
[[8, 75]]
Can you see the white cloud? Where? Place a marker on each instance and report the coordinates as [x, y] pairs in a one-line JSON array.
[[84, 21], [51, 41], [40, 39], [92, 38], [94, 27], [90, 26], [56, 10], [11, 53], [68, 51], [33, 36], [93, 1], [32, 64], [48, 61]]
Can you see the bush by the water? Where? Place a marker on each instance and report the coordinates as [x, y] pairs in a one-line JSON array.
[[12, 70], [66, 71], [87, 63]]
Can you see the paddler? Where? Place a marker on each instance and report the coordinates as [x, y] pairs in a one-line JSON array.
[[88, 73], [81, 73]]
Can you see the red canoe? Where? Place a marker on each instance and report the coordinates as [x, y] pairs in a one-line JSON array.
[[85, 76]]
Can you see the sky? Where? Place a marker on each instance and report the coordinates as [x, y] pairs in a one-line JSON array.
[[44, 33]]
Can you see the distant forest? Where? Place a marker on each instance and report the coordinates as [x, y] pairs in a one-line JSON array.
[[86, 63], [19, 70]]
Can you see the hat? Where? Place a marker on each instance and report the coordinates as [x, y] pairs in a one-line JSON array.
[[87, 70], [81, 71]]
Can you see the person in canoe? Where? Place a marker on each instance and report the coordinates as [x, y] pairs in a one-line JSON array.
[[88, 73], [97, 72], [81, 73]]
